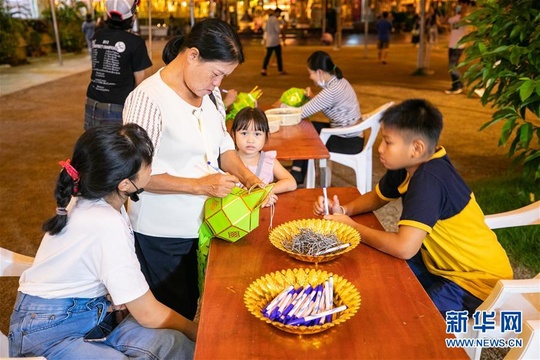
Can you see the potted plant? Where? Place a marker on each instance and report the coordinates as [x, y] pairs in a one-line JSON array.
[[12, 42]]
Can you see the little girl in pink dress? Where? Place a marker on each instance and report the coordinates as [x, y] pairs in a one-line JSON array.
[[250, 131]]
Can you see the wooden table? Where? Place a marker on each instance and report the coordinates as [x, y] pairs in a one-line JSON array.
[[396, 319], [299, 142]]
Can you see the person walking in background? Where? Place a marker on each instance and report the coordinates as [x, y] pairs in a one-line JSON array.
[[119, 63], [415, 31], [338, 101], [86, 263], [100, 23], [331, 25], [432, 24], [457, 31], [250, 132], [284, 25], [384, 28], [272, 32], [188, 131], [88, 29]]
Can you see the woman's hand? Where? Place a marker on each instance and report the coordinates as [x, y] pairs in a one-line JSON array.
[[309, 93], [217, 185]]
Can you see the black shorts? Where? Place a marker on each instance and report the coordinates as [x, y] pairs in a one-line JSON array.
[[383, 44]]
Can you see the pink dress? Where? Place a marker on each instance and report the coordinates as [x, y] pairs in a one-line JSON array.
[[265, 168]]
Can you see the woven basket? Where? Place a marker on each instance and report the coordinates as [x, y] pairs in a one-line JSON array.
[[266, 288], [284, 233], [286, 116]]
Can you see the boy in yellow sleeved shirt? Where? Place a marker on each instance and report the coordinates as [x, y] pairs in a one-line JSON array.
[[442, 233]]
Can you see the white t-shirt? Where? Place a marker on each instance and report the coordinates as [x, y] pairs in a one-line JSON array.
[[92, 256], [272, 31], [186, 138]]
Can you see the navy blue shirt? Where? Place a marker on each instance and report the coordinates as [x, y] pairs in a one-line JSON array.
[[384, 27]]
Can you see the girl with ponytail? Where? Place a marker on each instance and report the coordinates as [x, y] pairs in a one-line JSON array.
[[86, 264]]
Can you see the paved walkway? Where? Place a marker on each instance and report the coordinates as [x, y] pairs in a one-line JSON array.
[[40, 71]]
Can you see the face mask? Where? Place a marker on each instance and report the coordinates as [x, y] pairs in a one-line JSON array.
[[321, 82], [134, 196]]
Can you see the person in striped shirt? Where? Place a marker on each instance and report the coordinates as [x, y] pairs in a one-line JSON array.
[[337, 101]]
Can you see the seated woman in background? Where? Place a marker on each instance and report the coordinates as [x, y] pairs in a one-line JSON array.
[[337, 100], [87, 257]]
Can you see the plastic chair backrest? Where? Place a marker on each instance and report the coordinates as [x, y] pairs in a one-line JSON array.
[[12, 263], [522, 295], [371, 120], [527, 215], [361, 162], [531, 342]]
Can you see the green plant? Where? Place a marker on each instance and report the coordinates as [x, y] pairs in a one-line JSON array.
[[502, 58], [35, 33], [11, 30], [69, 20]]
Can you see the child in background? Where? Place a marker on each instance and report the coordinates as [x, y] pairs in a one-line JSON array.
[[250, 132], [442, 232]]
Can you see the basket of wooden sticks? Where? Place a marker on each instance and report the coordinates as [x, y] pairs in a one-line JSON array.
[[314, 240]]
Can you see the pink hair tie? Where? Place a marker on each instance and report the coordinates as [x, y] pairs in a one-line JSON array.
[[74, 174]]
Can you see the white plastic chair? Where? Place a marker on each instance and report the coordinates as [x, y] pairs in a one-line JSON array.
[[521, 295], [361, 162], [12, 264], [531, 342], [527, 215]]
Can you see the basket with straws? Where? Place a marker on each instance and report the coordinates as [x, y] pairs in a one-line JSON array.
[[302, 301]]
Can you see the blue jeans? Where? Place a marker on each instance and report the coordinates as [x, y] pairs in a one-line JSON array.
[[96, 114], [453, 61], [445, 294], [54, 328]]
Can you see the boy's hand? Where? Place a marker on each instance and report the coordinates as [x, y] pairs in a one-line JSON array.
[[333, 206], [345, 219]]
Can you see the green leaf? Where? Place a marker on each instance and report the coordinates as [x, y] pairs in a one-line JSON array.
[[535, 154], [482, 47], [506, 131], [526, 89], [525, 134]]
